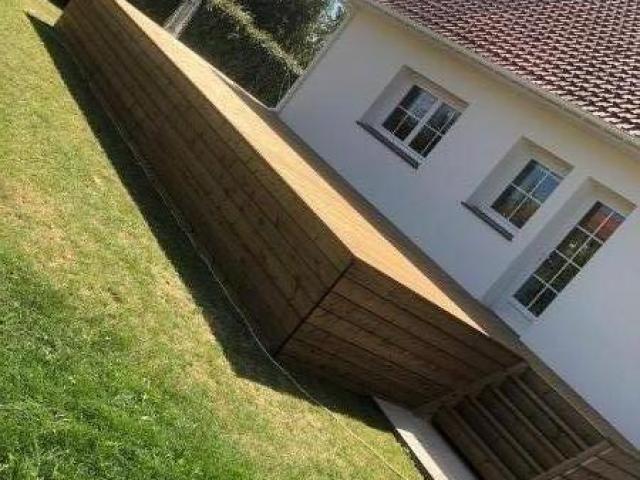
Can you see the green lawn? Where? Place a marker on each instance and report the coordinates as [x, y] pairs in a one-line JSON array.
[[120, 357]]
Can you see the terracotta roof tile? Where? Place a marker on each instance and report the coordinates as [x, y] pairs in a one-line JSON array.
[[585, 51]]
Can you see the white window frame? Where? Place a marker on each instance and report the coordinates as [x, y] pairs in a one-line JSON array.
[[390, 99], [506, 172], [550, 172], [422, 123], [569, 261], [501, 296]]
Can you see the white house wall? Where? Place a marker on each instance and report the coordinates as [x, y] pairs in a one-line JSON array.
[[591, 333]]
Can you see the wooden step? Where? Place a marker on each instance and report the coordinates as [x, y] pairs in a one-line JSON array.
[[497, 439], [551, 413], [481, 458], [575, 462], [528, 437], [606, 470], [627, 461], [562, 408], [517, 426], [545, 421]]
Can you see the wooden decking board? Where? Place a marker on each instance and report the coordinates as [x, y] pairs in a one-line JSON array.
[[570, 464], [279, 152], [498, 444], [578, 423], [551, 430], [185, 152], [327, 282], [431, 335], [316, 357], [606, 470], [515, 442], [504, 470], [382, 347], [536, 445], [401, 297], [581, 473], [342, 307], [338, 347], [297, 243], [460, 437], [624, 460], [530, 423], [549, 412]]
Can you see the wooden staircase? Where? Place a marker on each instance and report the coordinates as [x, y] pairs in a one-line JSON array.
[[519, 428]]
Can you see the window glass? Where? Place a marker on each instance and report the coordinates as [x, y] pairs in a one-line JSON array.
[[568, 258], [420, 120], [528, 191]]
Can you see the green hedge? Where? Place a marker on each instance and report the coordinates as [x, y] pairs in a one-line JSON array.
[[226, 36], [159, 10]]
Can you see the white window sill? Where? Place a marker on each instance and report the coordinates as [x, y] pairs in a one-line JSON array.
[[477, 211], [375, 133]]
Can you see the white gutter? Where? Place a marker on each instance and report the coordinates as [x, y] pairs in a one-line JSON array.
[[557, 101]]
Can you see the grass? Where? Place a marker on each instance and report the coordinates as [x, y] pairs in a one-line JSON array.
[[120, 357]]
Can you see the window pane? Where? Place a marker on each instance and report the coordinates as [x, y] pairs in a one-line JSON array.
[[594, 218], [586, 252], [530, 176], [506, 203], [418, 102], [432, 145], [422, 104], [422, 140], [611, 226], [543, 301], [444, 117], [406, 127], [411, 97], [567, 260], [550, 267], [573, 242], [524, 212], [566, 275], [395, 119], [529, 291], [546, 188]]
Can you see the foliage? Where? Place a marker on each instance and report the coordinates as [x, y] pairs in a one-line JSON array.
[[261, 44], [227, 36], [120, 357], [299, 26], [159, 10]]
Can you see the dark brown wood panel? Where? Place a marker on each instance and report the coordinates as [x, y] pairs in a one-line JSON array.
[[279, 225], [337, 345], [409, 300], [359, 298], [561, 407], [624, 460]]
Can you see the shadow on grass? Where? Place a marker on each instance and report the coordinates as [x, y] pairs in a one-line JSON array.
[[245, 357]]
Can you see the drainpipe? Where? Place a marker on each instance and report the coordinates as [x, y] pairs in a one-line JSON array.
[[181, 17]]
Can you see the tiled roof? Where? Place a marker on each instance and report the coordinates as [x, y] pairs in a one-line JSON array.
[[585, 51]]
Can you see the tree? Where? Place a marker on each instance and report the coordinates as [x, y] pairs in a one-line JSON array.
[[299, 26]]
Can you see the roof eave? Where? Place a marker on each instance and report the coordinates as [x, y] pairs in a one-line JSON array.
[[557, 101]]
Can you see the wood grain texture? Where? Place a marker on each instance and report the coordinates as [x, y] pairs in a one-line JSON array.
[[312, 263], [328, 284]]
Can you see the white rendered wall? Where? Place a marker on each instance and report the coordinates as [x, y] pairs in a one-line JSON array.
[[591, 334]]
